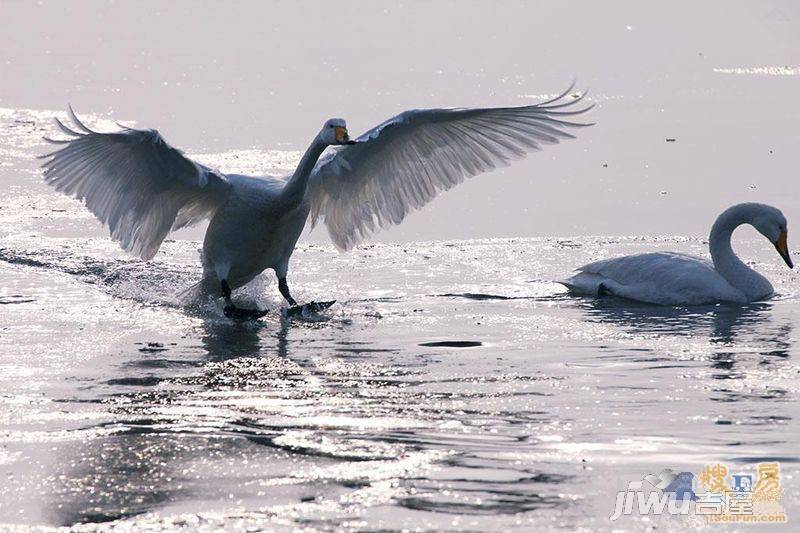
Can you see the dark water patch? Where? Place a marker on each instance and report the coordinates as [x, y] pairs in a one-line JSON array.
[[521, 475], [664, 367], [735, 396], [767, 459], [732, 375], [163, 363], [143, 426], [153, 347], [478, 485], [633, 357], [15, 299], [755, 442], [270, 437], [774, 353], [623, 387], [92, 489], [146, 381], [760, 420], [503, 503], [78, 400], [382, 299], [501, 378], [483, 296], [354, 483], [451, 344], [93, 517], [435, 440], [367, 350], [265, 435], [60, 261], [526, 393], [151, 282], [755, 421]]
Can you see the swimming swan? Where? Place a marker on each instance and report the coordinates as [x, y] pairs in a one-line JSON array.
[[669, 278], [142, 188]]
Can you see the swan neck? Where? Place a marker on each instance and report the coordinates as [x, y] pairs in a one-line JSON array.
[[295, 189], [725, 259]]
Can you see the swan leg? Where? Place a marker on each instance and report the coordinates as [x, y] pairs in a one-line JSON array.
[[231, 311], [284, 288], [297, 310]]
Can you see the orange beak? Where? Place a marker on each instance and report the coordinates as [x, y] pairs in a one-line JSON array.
[[783, 249], [341, 134]]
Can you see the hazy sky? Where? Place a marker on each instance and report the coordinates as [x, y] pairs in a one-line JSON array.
[[216, 76]]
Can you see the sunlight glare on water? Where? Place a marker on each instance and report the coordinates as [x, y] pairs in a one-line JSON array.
[[441, 391]]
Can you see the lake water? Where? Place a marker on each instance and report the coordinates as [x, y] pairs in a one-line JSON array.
[[453, 386]]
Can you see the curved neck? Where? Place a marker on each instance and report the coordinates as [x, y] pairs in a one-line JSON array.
[[295, 189], [725, 260]]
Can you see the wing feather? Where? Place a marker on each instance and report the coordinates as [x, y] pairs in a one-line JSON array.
[[133, 182], [403, 163]]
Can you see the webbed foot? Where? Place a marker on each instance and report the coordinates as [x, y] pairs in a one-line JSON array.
[[310, 307]]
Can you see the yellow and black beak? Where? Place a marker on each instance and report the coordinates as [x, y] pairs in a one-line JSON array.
[[783, 249], [341, 134]]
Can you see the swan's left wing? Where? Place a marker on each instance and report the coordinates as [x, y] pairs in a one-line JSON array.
[[402, 164]]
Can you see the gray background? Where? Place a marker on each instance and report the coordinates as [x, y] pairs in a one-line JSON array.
[[214, 76]]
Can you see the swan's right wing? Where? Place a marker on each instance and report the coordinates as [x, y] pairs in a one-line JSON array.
[[133, 182]]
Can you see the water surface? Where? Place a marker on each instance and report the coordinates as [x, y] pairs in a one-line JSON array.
[[453, 386]]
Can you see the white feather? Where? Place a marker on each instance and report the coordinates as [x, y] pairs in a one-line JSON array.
[[142, 188], [669, 278], [402, 164], [134, 182]]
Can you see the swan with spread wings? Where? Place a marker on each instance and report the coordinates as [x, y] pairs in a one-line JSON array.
[[142, 188]]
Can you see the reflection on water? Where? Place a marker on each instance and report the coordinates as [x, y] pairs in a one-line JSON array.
[[445, 391], [719, 322], [402, 409], [102, 480], [747, 354], [266, 411], [227, 340]]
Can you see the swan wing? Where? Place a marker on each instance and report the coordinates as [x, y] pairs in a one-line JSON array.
[[402, 164], [665, 268], [133, 182]]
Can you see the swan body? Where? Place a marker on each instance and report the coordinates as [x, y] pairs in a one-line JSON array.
[[142, 188], [239, 256], [665, 278], [669, 278]]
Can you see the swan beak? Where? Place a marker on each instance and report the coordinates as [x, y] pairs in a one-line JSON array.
[[783, 249], [341, 135]]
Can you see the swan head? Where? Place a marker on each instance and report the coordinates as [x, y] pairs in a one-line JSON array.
[[771, 223], [334, 132]]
